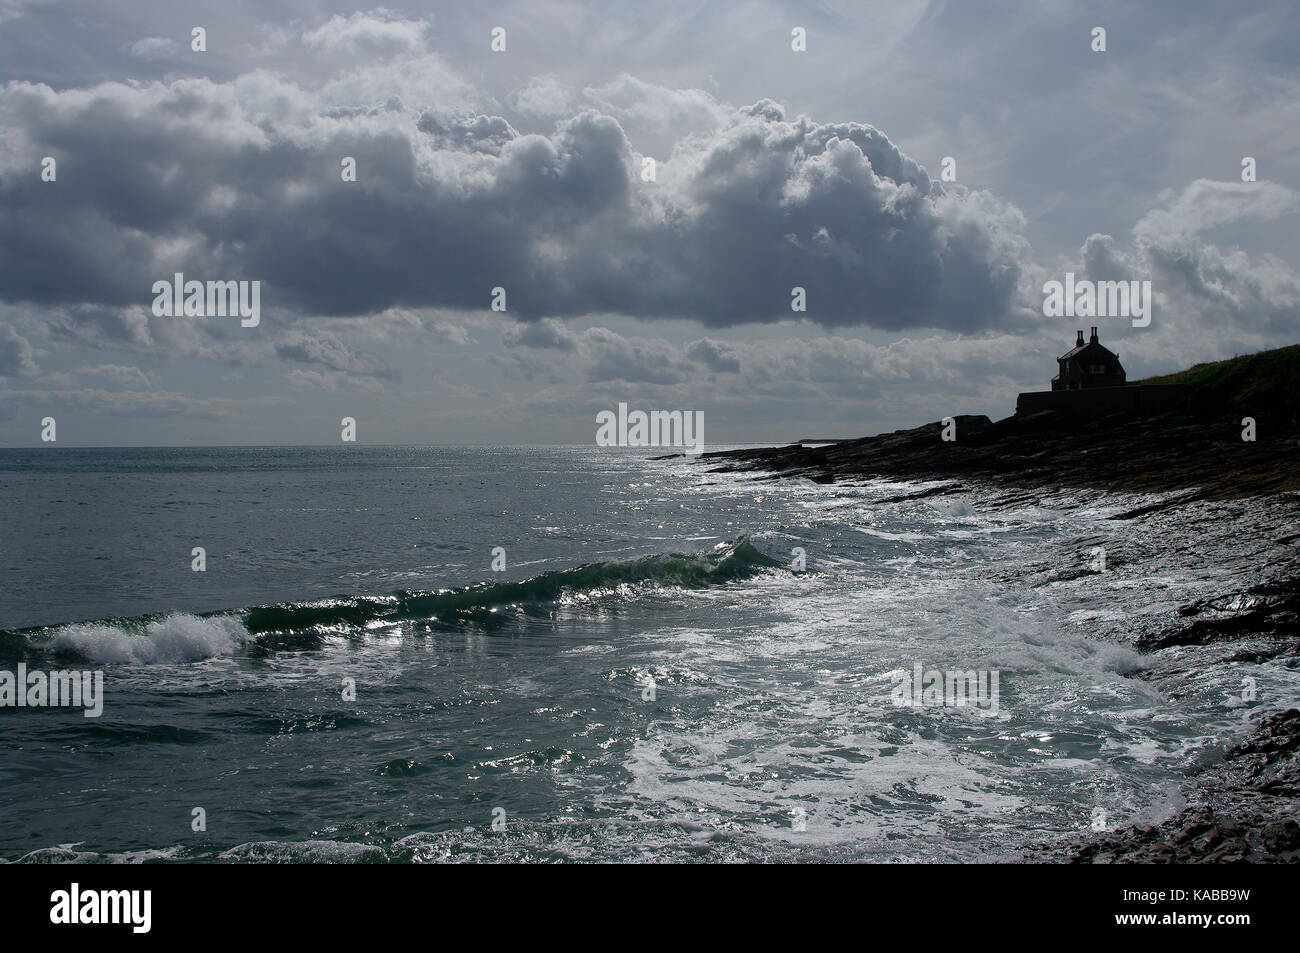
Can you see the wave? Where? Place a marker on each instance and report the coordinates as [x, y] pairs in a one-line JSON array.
[[173, 638], [185, 637], [727, 562]]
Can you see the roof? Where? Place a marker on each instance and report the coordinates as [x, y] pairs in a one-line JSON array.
[[1079, 349]]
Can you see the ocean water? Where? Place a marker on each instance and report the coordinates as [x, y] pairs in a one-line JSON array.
[[652, 676]]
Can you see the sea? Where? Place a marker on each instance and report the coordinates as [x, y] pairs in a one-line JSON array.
[[583, 654]]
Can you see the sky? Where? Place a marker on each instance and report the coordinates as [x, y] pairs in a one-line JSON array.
[[919, 169]]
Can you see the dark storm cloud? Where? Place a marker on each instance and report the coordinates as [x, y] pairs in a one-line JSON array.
[[242, 180]]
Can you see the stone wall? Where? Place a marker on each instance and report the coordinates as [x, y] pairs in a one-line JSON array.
[[1135, 399]]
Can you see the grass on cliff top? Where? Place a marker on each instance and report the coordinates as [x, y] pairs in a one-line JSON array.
[[1270, 378]]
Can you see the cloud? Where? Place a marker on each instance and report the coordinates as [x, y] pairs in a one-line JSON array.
[[16, 358], [332, 381], [540, 334], [377, 30], [1205, 204], [1210, 302], [13, 9], [401, 326], [543, 96], [655, 108], [843, 365], [307, 341], [595, 354], [715, 355], [922, 297], [143, 404], [241, 180], [122, 375], [755, 382], [612, 357], [152, 48], [327, 350]]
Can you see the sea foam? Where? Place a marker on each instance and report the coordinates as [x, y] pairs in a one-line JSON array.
[[174, 638]]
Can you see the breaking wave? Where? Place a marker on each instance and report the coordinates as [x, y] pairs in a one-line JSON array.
[[184, 637]]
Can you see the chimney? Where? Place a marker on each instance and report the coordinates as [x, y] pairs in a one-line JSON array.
[[1079, 343], [1093, 339]]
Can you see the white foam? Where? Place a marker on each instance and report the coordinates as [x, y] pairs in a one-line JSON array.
[[298, 852], [953, 508], [176, 638]]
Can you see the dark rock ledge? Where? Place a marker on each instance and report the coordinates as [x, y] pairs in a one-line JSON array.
[[1245, 811], [1198, 448]]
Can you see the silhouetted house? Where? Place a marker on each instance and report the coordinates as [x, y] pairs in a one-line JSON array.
[[1091, 384], [1088, 365]]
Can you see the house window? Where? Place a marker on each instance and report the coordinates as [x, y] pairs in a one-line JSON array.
[[1096, 368]]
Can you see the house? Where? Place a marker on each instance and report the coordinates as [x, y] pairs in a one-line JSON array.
[[1091, 385], [1089, 365]]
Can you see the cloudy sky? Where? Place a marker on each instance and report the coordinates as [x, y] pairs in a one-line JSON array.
[[524, 169]]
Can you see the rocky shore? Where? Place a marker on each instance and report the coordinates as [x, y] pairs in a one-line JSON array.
[[1200, 448], [1243, 811], [1129, 455], [1243, 808]]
